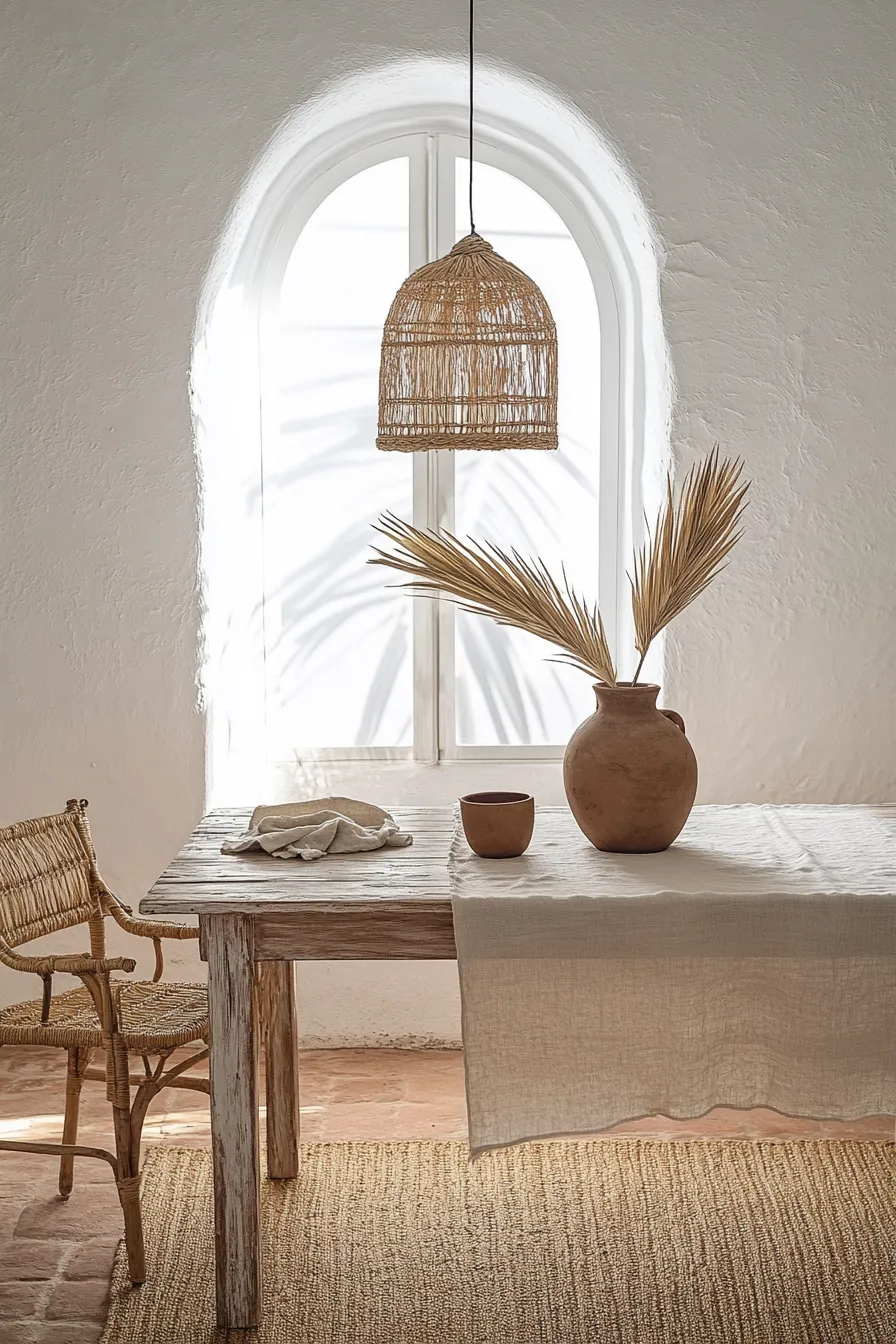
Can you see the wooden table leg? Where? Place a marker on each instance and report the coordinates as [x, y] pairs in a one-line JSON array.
[[277, 996], [226, 944]]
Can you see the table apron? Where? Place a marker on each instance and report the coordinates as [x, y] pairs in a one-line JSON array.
[[412, 934]]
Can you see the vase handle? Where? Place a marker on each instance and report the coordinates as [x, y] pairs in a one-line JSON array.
[[676, 718]]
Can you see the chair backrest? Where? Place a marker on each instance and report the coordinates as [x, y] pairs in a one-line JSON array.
[[48, 877]]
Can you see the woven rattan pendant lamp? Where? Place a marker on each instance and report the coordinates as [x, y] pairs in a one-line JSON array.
[[469, 354]]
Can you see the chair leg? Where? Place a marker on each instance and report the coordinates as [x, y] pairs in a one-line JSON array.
[[77, 1062], [129, 1195], [127, 1179]]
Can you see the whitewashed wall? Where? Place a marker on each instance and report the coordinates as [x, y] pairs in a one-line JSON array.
[[761, 137]]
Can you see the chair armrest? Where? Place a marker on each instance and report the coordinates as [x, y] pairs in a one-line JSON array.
[[69, 963], [78, 965], [151, 928], [144, 928]]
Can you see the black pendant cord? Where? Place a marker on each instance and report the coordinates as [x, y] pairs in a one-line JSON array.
[[472, 225]]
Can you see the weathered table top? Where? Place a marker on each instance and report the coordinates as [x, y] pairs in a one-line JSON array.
[[203, 881]]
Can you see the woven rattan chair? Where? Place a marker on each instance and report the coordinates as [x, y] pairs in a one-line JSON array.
[[48, 882]]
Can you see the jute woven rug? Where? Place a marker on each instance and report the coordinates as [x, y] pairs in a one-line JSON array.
[[556, 1243]]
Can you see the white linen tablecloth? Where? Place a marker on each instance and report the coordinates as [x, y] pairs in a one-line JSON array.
[[752, 964]]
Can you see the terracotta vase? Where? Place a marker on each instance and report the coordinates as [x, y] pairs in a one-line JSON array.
[[629, 772]]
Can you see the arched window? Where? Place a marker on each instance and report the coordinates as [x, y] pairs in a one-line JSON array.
[[325, 659]]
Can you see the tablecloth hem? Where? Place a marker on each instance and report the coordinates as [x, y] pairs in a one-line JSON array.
[[480, 1149]]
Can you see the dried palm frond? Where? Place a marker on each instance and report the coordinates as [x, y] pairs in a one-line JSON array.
[[490, 582], [689, 545]]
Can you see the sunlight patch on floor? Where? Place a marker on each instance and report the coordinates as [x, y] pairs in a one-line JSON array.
[[29, 1127]]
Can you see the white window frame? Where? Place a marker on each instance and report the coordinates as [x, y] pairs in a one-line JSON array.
[[432, 155], [614, 239]]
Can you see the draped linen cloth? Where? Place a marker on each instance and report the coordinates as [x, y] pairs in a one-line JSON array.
[[317, 827], [752, 964]]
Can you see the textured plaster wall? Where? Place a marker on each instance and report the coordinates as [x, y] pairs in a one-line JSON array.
[[761, 136]]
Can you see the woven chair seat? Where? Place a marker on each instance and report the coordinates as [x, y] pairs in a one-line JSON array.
[[153, 1017]]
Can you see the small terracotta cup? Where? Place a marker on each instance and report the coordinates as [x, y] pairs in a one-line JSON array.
[[498, 825]]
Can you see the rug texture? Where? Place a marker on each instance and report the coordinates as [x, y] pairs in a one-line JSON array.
[[606, 1241]]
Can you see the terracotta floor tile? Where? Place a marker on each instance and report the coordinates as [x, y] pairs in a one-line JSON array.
[[92, 1259], [19, 1169], [311, 1123], [877, 1128], [86, 1300], [90, 1212], [10, 1212], [34, 1061], [20, 1300], [359, 1120], [385, 1088], [430, 1120], [355, 1063], [65, 1332], [21, 1261], [436, 1080]]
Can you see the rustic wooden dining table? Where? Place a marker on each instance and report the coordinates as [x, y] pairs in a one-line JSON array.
[[258, 915]]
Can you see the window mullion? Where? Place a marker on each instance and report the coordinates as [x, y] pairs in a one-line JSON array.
[[425, 476], [443, 240]]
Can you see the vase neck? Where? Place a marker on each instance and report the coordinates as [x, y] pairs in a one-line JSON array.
[[623, 698]]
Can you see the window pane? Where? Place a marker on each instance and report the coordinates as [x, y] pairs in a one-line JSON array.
[[542, 503], [337, 639]]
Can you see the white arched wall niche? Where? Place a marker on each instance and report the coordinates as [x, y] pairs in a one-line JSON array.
[[567, 161], [603, 210]]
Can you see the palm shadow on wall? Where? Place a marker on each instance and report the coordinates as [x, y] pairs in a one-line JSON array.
[[325, 594]]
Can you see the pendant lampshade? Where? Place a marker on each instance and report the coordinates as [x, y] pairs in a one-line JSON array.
[[469, 357]]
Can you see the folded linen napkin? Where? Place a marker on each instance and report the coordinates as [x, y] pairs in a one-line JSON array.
[[320, 826]]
